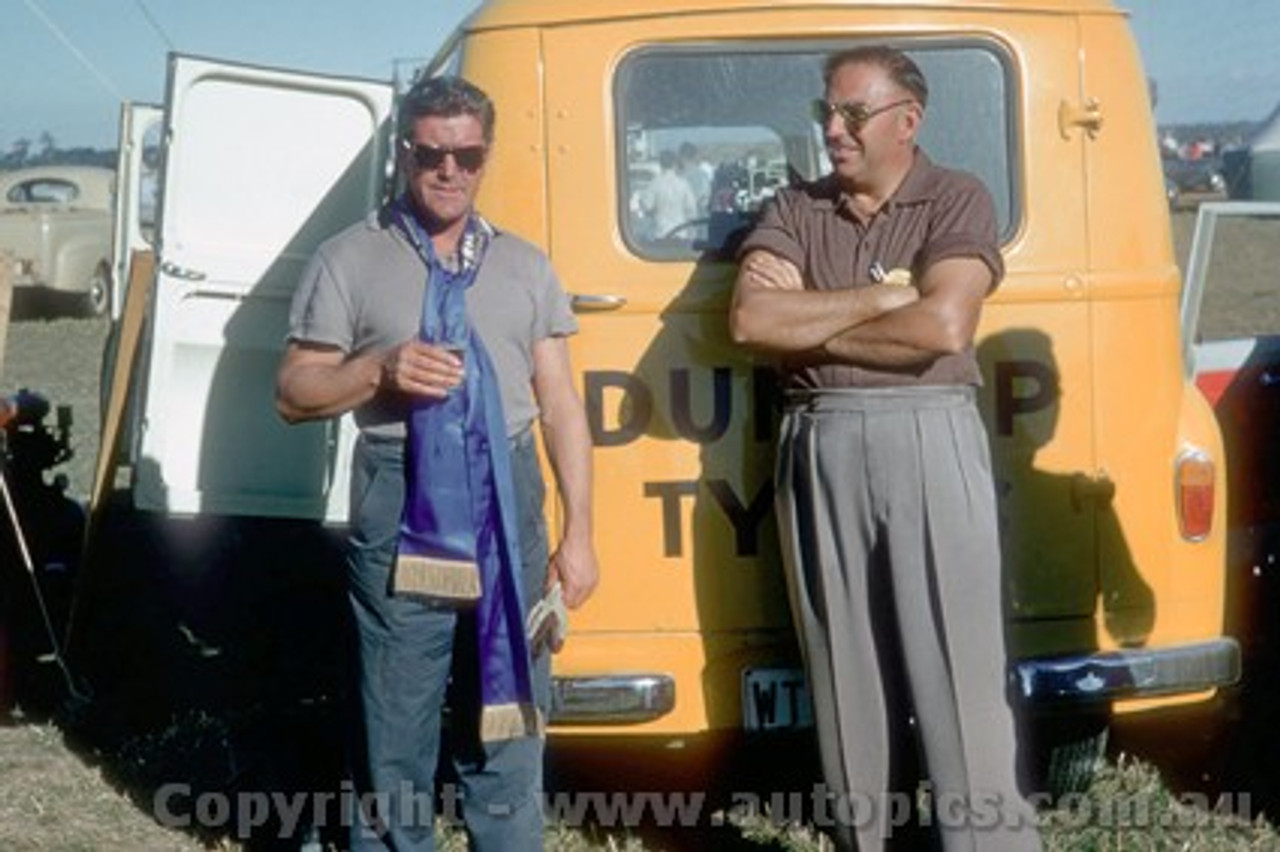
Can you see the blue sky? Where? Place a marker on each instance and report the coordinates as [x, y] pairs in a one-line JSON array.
[[67, 64], [1212, 61]]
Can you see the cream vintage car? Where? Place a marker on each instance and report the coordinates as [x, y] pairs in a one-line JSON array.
[[55, 227]]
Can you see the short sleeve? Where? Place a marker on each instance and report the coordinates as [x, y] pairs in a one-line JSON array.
[[554, 315], [777, 231], [964, 225], [321, 310]]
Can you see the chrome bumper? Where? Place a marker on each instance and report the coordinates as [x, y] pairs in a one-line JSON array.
[[1070, 680], [1131, 673], [611, 699]]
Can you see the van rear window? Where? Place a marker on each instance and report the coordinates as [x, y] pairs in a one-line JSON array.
[[706, 134]]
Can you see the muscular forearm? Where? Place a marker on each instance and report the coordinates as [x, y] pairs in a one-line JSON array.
[[910, 337], [567, 440], [942, 322], [774, 311], [315, 382], [785, 321], [568, 443], [311, 391]]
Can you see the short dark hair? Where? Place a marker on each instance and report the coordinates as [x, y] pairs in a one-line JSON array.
[[901, 69], [447, 97]]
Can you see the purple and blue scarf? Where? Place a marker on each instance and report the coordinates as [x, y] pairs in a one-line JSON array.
[[458, 535]]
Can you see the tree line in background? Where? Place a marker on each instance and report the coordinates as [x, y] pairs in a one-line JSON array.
[[44, 151]]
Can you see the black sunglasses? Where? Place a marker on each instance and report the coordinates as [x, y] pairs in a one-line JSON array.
[[470, 158], [855, 115]]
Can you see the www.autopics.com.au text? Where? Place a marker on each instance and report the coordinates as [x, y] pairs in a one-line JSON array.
[[247, 814]]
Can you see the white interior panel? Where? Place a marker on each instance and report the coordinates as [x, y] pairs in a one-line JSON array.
[[261, 167]]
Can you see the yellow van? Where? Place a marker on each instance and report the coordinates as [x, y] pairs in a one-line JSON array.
[[1109, 462]]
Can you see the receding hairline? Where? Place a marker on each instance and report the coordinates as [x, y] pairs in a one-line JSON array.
[[901, 70]]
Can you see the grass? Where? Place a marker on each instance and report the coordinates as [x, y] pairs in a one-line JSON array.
[[1129, 809], [52, 799]]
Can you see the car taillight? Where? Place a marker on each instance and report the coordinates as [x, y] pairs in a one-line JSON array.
[[1194, 485]]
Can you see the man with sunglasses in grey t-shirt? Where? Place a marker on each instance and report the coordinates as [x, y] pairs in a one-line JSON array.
[[446, 337]]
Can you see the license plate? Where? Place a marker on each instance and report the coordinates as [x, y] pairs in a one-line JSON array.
[[775, 700]]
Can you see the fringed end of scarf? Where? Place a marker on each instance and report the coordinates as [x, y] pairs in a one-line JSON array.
[[437, 577], [510, 721]]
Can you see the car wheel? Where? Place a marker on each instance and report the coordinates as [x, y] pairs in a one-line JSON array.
[[95, 301]]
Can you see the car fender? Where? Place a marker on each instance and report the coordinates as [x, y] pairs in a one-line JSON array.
[[75, 262]]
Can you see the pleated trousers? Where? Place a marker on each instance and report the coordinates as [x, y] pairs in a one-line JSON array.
[[887, 515]]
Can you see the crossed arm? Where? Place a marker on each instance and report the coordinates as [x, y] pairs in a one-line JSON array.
[[886, 326]]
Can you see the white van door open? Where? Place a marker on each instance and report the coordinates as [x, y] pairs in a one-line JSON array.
[[136, 191], [260, 166]]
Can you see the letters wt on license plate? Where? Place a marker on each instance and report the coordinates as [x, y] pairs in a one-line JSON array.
[[775, 700]]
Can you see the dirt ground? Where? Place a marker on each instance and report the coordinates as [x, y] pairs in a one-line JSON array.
[[1242, 298]]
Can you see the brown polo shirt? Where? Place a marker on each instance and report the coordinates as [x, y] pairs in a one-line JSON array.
[[936, 213]]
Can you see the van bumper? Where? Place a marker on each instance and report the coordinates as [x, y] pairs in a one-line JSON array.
[[1131, 673], [621, 699], [1078, 679]]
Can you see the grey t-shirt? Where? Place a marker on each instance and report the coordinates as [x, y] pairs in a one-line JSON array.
[[363, 291]]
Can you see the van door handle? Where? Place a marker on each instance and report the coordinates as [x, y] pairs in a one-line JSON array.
[[592, 303], [1087, 115], [175, 271]]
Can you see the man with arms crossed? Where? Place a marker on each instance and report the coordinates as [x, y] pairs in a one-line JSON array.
[[867, 286], [446, 336]]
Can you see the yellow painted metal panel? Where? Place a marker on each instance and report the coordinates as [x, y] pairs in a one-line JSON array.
[[514, 195], [1086, 416], [1147, 411], [521, 13]]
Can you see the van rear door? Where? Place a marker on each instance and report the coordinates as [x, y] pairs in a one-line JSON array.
[[136, 188], [260, 166], [683, 420]]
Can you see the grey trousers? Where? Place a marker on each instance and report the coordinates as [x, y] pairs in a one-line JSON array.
[[886, 510]]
